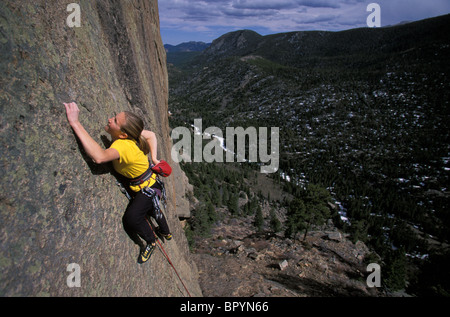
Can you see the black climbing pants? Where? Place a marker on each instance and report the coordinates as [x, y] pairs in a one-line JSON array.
[[135, 222]]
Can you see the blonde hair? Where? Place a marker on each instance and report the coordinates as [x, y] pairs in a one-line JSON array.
[[133, 127]]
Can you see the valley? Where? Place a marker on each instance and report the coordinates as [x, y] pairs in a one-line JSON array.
[[362, 113]]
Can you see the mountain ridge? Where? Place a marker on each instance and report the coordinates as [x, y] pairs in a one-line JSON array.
[[286, 47], [191, 46]]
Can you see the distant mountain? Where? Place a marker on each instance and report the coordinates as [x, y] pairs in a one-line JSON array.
[[191, 46], [297, 48], [183, 53], [237, 43]]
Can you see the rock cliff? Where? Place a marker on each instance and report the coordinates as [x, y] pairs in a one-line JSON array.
[[56, 206]]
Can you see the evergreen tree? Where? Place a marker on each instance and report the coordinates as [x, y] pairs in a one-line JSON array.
[[296, 217], [311, 209], [225, 195], [233, 204], [211, 212], [358, 231], [394, 271], [215, 196], [200, 221], [275, 224], [259, 219]]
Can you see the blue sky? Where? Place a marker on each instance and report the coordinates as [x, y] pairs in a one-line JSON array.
[[206, 20]]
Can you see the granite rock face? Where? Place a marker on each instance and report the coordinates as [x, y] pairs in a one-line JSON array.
[[56, 206]]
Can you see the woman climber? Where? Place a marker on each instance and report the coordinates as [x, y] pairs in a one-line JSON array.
[[128, 154]]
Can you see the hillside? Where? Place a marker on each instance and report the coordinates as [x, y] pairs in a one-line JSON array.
[[241, 249], [57, 207], [363, 113]]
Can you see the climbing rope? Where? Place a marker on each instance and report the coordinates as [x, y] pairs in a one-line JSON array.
[[170, 262], [168, 258]]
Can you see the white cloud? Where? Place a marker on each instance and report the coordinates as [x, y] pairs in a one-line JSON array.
[[213, 16]]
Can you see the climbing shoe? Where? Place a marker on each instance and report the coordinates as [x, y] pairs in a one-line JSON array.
[[167, 236], [145, 254]]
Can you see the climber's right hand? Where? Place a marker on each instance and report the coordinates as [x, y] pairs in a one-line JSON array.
[[72, 112]]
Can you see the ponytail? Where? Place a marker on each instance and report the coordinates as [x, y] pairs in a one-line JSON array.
[[143, 145], [133, 127]]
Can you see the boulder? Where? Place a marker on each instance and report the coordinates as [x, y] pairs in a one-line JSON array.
[[283, 265], [335, 236]]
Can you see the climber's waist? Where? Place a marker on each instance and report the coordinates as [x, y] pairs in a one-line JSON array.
[[145, 180]]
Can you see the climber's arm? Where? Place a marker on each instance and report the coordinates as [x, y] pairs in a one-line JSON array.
[[153, 143], [92, 148]]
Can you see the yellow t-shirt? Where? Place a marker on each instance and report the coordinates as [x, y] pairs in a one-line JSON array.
[[132, 162]]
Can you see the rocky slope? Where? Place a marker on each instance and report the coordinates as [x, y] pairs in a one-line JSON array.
[[56, 206], [236, 260]]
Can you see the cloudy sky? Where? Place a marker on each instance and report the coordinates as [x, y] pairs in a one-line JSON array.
[[206, 20]]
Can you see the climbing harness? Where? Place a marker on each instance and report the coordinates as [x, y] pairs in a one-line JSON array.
[[143, 178]]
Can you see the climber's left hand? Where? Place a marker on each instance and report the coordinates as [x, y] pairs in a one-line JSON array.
[[72, 112]]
